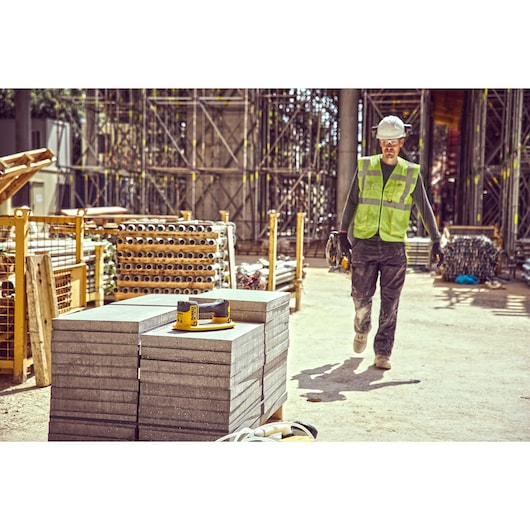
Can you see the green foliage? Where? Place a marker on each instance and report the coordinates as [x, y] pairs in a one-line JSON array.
[[58, 104], [7, 103]]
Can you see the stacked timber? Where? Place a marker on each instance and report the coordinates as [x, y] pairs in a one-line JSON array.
[[95, 360], [199, 385], [188, 257]]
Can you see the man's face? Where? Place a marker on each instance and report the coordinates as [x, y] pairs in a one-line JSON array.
[[390, 149]]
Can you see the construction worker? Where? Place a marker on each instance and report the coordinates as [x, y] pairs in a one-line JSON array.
[[374, 223]]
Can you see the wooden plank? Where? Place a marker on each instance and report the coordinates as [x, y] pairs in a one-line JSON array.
[[42, 308]]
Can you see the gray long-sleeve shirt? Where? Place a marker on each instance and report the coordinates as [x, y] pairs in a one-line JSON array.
[[419, 198]]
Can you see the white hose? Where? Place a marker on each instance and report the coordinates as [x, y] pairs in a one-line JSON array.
[[264, 433]]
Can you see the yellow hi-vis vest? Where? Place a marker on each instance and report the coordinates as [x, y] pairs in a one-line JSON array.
[[384, 210]]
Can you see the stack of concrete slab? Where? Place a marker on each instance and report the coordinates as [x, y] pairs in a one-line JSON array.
[[122, 372], [271, 308], [200, 385], [95, 360]]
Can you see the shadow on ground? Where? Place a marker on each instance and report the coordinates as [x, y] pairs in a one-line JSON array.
[[511, 299], [328, 382]]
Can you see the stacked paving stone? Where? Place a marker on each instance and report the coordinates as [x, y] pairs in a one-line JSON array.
[[271, 308], [122, 372], [200, 385], [95, 358]]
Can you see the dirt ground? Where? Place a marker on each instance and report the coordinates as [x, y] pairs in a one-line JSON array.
[[461, 367]]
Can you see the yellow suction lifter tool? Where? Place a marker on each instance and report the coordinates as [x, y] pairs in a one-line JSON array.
[[190, 316]]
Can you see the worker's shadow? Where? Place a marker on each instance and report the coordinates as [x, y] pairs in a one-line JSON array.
[[329, 381]]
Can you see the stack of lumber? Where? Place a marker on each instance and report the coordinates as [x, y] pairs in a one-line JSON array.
[[95, 357]]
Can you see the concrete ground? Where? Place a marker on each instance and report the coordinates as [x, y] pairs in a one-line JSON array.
[[460, 365]]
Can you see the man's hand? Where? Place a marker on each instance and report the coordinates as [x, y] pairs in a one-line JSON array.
[[345, 245], [437, 254]]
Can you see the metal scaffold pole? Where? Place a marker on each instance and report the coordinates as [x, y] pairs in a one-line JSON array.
[[511, 173]]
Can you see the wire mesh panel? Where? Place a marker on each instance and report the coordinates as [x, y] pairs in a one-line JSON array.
[[22, 236], [7, 295], [7, 318]]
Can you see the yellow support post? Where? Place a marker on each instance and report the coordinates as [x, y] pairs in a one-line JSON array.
[[299, 259], [20, 338], [273, 249], [79, 234], [99, 266], [79, 253]]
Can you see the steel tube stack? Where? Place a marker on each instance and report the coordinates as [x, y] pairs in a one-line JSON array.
[[188, 257]]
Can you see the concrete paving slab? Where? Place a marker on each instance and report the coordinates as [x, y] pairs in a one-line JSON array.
[[95, 369], [115, 318], [93, 410], [87, 337], [94, 353], [232, 394], [224, 340], [90, 394], [90, 430], [99, 383], [245, 299]]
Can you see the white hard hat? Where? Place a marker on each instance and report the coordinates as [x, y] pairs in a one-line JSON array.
[[390, 127]]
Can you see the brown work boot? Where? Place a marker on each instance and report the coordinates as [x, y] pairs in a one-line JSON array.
[[383, 362], [359, 342]]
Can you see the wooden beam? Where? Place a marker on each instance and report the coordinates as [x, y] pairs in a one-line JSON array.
[[42, 308]]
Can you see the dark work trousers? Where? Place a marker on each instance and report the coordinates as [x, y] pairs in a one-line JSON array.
[[373, 259]]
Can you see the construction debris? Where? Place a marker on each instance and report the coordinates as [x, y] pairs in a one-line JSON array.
[[254, 276]]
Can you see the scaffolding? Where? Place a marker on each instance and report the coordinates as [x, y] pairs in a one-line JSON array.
[[483, 144], [495, 165], [246, 151], [253, 151]]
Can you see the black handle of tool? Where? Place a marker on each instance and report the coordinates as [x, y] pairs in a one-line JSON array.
[[220, 308]]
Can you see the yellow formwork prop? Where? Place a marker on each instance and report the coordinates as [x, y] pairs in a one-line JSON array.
[[299, 259]]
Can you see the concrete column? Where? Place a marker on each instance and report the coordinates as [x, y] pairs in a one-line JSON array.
[[22, 138], [347, 154]]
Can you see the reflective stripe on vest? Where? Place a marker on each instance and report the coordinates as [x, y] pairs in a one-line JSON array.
[[384, 210]]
